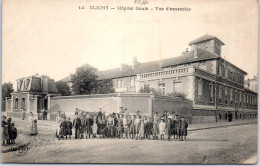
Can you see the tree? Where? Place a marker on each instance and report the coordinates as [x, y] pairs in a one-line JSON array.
[[7, 89], [86, 82], [105, 86], [147, 89], [63, 88]]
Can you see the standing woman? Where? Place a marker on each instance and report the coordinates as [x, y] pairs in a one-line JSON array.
[[58, 120], [33, 124]]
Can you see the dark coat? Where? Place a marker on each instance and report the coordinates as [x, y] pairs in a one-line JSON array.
[[63, 128], [5, 134], [69, 128], [76, 123], [14, 133], [174, 127], [168, 129], [148, 128], [89, 123], [183, 128]]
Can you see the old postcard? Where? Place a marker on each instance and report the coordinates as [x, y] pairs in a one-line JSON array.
[[129, 81]]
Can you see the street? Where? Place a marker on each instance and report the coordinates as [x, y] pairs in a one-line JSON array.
[[229, 145]]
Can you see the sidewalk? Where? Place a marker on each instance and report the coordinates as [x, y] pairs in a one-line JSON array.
[[192, 127], [203, 126]]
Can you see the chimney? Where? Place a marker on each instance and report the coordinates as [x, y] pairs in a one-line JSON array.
[[134, 63], [195, 53]]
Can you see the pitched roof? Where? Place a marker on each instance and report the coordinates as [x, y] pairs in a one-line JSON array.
[[204, 38], [128, 71], [157, 65], [189, 57]]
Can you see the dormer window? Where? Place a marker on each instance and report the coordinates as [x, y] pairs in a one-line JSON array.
[[217, 45]]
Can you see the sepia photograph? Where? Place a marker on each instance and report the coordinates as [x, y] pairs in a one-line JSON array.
[[129, 81]]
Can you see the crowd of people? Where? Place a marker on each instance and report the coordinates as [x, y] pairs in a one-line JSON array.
[[9, 132], [87, 125]]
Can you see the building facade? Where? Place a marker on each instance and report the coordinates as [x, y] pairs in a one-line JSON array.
[[32, 94], [215, 85], [252, 84]]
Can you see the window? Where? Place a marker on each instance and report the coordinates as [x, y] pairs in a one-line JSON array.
[[177, 87], [240, 98], [236, 97], [231, 75], [16, 103], [19, 84], [23, 104], [200, 90], [162, 88], [226, 73], [132, 81], [220, 94], [119, 83], [206, 44], [27, 81], [231, 96], [211, 93], [220, 70], [226, 95]]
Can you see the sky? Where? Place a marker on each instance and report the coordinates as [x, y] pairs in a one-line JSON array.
[[53, 37]]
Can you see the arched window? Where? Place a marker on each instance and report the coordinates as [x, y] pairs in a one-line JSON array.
[[23, 104], [16, 103]]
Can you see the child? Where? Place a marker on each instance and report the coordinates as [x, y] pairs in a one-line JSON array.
[[63, 127], [14, 133], [9, 124], [69, 128], [162, 129], [94, 128], [5, 135], [141, 130], [168, 129], [155, 131]]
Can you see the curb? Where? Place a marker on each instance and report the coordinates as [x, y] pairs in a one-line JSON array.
[[220, 126]]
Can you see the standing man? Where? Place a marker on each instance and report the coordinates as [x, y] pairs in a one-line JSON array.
[[77, 125], [126, 126], [110, 126], [183, 128], [137, 125]]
